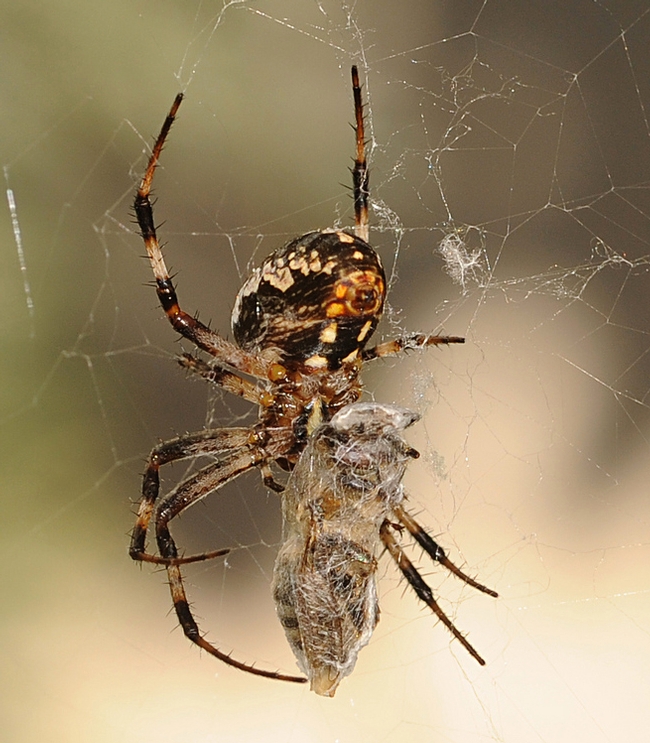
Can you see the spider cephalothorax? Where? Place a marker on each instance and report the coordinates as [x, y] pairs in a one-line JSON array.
[[301, 322]]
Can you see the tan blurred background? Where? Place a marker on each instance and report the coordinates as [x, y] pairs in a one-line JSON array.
[[533, 117]]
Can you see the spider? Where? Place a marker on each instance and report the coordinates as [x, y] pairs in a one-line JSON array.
[[301, 323]]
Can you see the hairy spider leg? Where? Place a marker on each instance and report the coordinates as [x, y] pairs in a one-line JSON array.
[[222, 377], [360, 175], [409, 342], [206, 481], [217, 441], [422, 590], [192, 632], [436, 552], [361, 194], [189, 327], [190, 491]]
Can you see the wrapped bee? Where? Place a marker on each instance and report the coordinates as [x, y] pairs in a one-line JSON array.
[[342, 502]]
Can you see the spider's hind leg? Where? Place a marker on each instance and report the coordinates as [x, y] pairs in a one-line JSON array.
[[238, 453], [210, 442], [360, 180], [185, 324], [203, 482]]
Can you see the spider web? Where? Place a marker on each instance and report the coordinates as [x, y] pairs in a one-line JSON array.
[[509, 151]]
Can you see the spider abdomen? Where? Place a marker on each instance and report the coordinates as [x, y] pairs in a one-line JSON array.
[[317, 301]]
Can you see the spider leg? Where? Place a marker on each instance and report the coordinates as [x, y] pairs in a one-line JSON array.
[[192, 632], [269, 480], [186, 494], [212, 442], [195, 488], [360, 177], [408, 343], [226, 379], [422, 590], [188, 326], [435, 551]]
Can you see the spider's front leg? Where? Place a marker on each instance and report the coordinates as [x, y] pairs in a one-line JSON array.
[[436, 552]]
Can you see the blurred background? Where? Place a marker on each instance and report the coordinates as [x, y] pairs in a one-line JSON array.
[[516, 135]]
